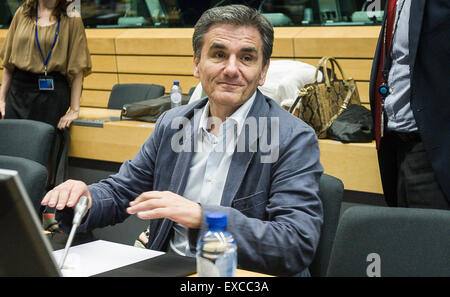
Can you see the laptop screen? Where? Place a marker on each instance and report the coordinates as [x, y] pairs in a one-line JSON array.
[[25, 251]]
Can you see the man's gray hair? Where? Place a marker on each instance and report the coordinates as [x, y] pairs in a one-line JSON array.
[[238, 15]]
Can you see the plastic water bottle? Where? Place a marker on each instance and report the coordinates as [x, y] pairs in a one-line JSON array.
[[175, 94], [216, 249]]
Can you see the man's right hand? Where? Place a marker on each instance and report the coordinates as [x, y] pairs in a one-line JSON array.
[[67, 194]]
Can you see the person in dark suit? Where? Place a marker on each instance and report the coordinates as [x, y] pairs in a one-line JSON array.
[[409, 92], [200, 159]]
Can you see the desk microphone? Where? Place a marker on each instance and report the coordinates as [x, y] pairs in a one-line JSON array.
[[80, 211]]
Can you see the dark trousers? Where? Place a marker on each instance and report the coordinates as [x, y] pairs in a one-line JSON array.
[[25, 101], [406, 173]]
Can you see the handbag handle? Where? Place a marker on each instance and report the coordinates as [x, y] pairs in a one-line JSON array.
[[323, 65], [320, 66], [301, 94], [333, 62]]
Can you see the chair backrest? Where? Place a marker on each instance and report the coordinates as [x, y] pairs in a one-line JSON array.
[[397, 242], [32, 174], [331, 191], [128, 93], [27, 139]]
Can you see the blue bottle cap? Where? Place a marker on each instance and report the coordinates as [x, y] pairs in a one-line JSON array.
[[216, 221], [177, 83]]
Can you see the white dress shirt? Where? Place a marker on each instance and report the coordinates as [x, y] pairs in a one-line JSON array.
[[209, 166]]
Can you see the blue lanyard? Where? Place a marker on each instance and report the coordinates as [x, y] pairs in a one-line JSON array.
[[38, 44]]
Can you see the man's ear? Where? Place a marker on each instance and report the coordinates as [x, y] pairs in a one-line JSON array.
[[262, 78], [196, 61]]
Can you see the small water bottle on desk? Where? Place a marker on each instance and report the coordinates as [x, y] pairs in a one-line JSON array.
[[175, 94], [216, 249]]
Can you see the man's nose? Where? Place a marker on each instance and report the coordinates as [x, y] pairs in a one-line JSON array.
[[231, 67]]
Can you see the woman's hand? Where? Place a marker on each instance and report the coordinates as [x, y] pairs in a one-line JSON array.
[[2, 108], [6, 83], [67, 119]]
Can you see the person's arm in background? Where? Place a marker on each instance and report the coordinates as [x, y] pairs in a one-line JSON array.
[[5, 54], [79, 65], [75, 95], [6, 84]]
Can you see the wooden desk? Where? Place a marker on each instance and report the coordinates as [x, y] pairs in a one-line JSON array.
[[115, 142], [354, 163], [96, 113]]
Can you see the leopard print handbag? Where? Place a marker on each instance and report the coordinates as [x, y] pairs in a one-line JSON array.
[[320, 103]]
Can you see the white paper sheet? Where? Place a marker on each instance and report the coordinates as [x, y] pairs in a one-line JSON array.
[[100, 256]]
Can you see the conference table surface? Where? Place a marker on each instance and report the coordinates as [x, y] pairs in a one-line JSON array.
[[58, 241]]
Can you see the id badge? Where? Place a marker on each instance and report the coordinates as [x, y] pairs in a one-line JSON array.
[[46, 83]]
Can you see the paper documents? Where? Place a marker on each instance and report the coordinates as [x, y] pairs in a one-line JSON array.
[[100, 256]]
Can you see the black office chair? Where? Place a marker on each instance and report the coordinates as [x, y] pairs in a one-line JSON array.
[[32, 174], [331, 191], [128, 93], [26, 139], [391, 242]]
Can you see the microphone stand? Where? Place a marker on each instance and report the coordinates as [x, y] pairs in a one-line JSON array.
[[79, 212]]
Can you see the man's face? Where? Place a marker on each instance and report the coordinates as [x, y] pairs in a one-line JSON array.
[[230, 67]]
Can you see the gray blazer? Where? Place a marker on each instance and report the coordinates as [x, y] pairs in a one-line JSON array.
[[274, 211]]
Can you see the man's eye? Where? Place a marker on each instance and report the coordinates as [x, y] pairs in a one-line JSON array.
[[220, 55], [247, 58]]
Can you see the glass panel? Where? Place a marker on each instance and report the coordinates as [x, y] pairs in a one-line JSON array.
[[7, 10], [324, 12], [185, 13]]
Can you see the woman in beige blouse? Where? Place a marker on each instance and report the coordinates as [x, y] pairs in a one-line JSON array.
[[30, 89]]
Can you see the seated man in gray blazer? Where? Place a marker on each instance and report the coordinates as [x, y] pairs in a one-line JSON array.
[[235, 151]]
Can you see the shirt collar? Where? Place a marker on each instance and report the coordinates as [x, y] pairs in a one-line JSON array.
[[238, 117]]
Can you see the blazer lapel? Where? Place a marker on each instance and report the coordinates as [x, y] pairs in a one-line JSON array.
[[376, 61], [158, 239], [181, 169], [241, 160], [415, 27]]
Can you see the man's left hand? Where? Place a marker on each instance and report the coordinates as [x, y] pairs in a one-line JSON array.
[[157, 205]]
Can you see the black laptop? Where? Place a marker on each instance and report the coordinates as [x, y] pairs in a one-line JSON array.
[[25, 251]]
